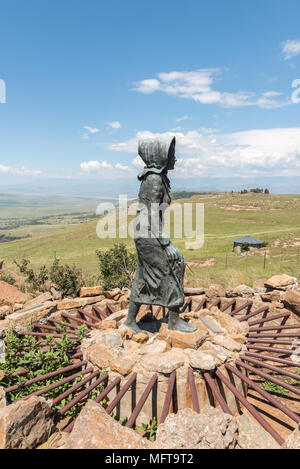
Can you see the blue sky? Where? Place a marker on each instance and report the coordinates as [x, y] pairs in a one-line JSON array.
[[85, 80]]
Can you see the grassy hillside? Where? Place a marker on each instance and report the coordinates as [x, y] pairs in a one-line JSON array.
[[271, 218]]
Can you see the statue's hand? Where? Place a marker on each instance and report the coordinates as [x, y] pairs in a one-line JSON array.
[[171, 251]]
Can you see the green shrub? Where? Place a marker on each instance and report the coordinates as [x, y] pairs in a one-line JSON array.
[[35, 280], [117, 266], [8, 279], [68, 279]]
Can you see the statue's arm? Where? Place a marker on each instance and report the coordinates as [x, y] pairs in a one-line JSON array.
[[155, 195]]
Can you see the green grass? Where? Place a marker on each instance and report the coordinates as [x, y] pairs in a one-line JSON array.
[[267, 217]]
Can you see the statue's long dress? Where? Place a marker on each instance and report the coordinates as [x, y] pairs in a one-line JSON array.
[[158, 281]]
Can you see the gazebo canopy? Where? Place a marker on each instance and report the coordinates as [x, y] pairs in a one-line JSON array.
[[247, 239]]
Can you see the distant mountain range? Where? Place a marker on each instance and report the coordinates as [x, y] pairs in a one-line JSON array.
[[108, 188]]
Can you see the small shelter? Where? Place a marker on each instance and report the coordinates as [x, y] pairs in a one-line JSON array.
[[253, 242]]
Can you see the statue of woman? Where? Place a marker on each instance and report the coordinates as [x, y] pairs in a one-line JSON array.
[[160, 270]]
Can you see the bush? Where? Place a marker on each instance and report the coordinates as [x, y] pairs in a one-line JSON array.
[[8, 279], [117, 266], [68, 279], [35, 280]]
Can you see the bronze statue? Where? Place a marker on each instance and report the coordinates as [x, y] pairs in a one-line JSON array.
[[160, 270]]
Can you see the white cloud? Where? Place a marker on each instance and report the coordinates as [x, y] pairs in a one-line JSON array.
[[203, 153], [290, 48], [19, 171], [114, 125], [91, 130], [92, 166], [121, 167], [198, 86], [88, 166], [183, 118]]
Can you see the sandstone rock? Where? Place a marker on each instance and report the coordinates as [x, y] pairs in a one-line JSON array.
[[25, 318], [25, 423], [215, 291], [165, 362], [281, 282], [94, 429], [38, 300], [291, 299], [240, 290], [274, 295], [184, 340], [158, 346], [226, 342], [220, 354], [112, 293], [4, 311], [193, 291], [90, 291], [108, 324], [74, 303], [189, 430], [9, 295], [231, 324], [105, 349], [140, 338], [252, 436], [293, 440], [201, 360], [2, 397], [118, 315]]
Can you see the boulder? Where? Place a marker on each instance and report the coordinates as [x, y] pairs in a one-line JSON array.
[[112, 294], [281, 282], [157, 346], [164, 362], [74, 303], [9, 295], [226, 342], [200, 360], [108, 324], [25, 423], [274, 295], [189, 430], [240, 290], [291, 299], [25, 318], [95, 429], [252, 436], [4, 311], [220, 354], [293, 440], [38, 300], [215, 291], [188, 291], [105, 349], [90, 291]]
